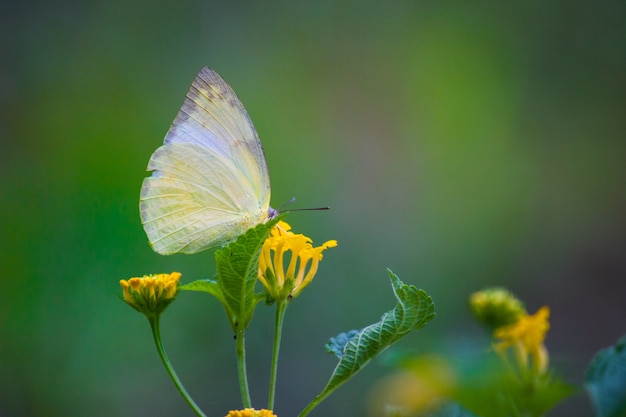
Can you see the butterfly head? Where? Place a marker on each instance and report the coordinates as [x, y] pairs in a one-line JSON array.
[[271, 213]]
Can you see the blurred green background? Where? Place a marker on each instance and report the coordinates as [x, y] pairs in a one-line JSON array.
[[462, 145]]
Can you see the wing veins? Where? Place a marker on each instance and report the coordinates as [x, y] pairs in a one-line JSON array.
[[184, 180], [200, 209], [183, 227], [215, 106]]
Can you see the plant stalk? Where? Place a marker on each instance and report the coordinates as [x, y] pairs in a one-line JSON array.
[[241, 369], [156, 333], [314, 403], [281, 307]]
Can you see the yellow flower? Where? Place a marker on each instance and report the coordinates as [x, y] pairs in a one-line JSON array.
[[526, 338], [288, 262], [150, 294], [418, 389], [496, 307], [250, 412]]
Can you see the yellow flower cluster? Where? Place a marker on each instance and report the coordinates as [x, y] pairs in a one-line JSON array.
[[150, 294], [250, 412], [514, 328], [288, 262], [526, 338]]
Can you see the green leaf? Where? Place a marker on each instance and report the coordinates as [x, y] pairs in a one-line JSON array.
[[488, 387], [605, 380], [415, 308], [357, 348], [204, 285], [237, 269], [550, 390]]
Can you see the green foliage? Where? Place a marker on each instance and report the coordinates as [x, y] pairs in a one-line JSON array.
[[415, 308], [606, 380], [357, 348], [236, 277], [489, 388], [204, 285]]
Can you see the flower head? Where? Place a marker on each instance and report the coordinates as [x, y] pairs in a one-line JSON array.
[[496, 307], [288, 261], [250, 412], [150, 294], [526, 338]]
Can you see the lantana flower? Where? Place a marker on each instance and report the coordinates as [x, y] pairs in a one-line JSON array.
[[250, 412], [288, 261], [526, 338], [150, 294]]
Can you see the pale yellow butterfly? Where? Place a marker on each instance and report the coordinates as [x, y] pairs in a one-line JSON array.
[[210, 182]]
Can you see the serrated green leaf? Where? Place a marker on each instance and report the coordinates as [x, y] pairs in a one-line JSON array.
[[605, 380], [237, 269], [415, 308]]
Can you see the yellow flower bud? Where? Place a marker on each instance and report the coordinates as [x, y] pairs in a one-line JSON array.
[[496, 307], [150, 294]]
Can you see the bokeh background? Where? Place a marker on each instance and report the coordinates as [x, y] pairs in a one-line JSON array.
[[462, 145]]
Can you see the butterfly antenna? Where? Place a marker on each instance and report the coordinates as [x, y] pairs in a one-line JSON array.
[[306, 209], [281, 209]]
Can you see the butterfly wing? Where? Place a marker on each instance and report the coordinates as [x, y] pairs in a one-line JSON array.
[[210, 181]]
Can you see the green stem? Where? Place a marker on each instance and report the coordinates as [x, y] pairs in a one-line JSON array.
[[241, 369], [314, 403], [154, 325], [281, 307]]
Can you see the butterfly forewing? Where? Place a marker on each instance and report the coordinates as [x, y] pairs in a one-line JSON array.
[[212, 115], [210, 181]]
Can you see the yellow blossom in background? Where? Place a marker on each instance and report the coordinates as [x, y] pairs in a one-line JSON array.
[[526, 338], [288, 261], [150, 294], [250, 412], [424, 383]]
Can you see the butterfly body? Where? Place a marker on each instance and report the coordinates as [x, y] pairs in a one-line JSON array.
[[209, 181]]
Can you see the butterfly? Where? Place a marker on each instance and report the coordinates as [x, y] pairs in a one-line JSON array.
[[209, 181]]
